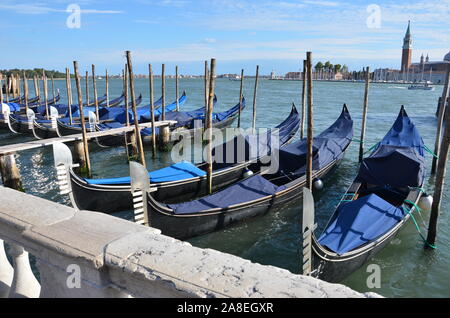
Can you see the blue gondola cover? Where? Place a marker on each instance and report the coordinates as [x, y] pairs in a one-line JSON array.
[[398, 161], [359, 222], [249, 189], [178, 171]]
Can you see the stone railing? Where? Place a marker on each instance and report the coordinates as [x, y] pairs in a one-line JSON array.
[[89, 254]]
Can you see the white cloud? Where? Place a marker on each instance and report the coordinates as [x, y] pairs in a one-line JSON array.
[[41, 9]]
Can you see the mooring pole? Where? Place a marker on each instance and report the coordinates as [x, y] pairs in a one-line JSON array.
[[87, 89], [364, 118], [1, 89], [440, 122], [25, 90], [440, 180], [163, 91], [10, 173], [176, 87], [164, 131], [18, 88], [69, 94], [209, 124], [36, 89], [206, 84], [85, 166], [125, 92], [152, 109], [133, 105], [254, 98], [302, 122], [241, 96], [53, 90], [94, 83], [310, 123], [107, 88], [44, 78]]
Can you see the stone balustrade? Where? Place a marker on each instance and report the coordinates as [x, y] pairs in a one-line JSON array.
[[89, 254]]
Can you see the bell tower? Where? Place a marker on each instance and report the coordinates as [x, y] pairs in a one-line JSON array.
[[407, 49]]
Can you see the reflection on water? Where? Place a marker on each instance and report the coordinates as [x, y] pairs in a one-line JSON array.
[[407, 270]]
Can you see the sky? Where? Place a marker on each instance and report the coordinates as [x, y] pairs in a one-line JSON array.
[[239, 33]]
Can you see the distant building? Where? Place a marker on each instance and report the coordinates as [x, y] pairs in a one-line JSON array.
[[425, 70], [293, 75], [407, 49]]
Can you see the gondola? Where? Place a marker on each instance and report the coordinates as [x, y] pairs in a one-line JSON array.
[[20, 99], [114, 102], [265, 190], [63, 108], [50, 101], [105, 113], [108, 120], [190, 122], [179, 182], [376, 206], [144, 115], [38, 125]]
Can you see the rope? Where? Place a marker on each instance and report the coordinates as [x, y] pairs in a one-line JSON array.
[[430, 152], [372, 148], [417, 225]]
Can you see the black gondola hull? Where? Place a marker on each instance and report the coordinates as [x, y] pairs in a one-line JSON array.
[[110, 199], [187, 226]]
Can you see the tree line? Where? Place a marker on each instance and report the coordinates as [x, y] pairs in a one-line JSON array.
[[328, 67], [31, 73]]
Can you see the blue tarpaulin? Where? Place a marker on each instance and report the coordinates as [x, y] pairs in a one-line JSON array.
[[359, 222], [178, 171], [327, 147], [249, 189], [398, 160], [250, 146]]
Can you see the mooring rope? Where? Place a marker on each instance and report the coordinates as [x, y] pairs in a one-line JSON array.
[[417, 225]]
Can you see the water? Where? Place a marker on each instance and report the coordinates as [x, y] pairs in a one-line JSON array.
[[407, 270]]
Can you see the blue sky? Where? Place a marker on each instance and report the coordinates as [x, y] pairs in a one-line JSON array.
[[238, 33]]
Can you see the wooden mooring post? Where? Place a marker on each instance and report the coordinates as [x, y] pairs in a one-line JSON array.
[[94, 84], [241, 96], [152, 108], [255, 91], [47, 111], [82, 148], [125, 92], [25, 90], [441, 170], [53, 90], [176, 88], [440, 121], [69, 94], [364, 118], [209, 124], [309, 135], [302, 122], [137, 131], [10, 173], [87, 88], [164, 132], [107, 88], [36, 88]]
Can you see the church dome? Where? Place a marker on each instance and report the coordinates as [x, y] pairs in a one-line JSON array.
[[447, 57]]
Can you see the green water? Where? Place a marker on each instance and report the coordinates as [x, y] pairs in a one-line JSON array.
[[407, 270]]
